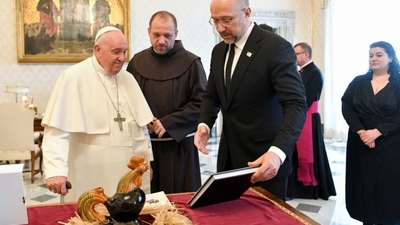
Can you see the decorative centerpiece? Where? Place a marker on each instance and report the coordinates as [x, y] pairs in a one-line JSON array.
[[124, 207]]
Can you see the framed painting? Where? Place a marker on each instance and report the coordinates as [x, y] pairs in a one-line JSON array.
[[56, 31]]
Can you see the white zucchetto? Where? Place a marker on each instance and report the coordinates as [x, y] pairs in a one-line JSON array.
[[105, 30]]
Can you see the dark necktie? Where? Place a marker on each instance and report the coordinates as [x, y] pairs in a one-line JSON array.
[[228, 68]]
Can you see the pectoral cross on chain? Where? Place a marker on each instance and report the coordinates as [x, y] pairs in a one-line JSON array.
[[119, 120]]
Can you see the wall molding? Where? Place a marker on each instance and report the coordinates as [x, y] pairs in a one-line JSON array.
[[283, 22]]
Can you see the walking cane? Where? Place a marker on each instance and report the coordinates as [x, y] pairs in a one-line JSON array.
[[68, 185]]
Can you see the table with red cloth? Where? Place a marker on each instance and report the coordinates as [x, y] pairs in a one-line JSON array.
[[256, 206]]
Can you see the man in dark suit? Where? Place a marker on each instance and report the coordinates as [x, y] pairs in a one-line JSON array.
[[263, 106]]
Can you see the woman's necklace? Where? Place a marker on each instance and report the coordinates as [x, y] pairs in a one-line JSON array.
[[118, 119], [380, 82], [383, 78]]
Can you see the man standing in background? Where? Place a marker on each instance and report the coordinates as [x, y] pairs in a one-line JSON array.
[[173, 81], [311, 177]]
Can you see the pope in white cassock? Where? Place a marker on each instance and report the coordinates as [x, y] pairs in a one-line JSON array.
[[96, 119]]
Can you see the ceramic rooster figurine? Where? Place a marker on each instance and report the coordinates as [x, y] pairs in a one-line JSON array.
[[125, 205], [133, 178]]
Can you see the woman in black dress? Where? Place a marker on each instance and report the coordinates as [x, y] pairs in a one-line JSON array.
[[371, 108]]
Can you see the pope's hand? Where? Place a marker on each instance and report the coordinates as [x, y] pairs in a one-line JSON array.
[[57, 184]]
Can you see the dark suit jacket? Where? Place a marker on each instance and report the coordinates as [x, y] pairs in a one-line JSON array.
[[266, 105]]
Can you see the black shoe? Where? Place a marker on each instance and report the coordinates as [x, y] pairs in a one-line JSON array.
[[288, 198]]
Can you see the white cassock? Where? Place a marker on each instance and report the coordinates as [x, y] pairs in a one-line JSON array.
[[81, 139]]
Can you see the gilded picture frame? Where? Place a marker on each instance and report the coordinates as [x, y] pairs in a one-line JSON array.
[[57, 31]]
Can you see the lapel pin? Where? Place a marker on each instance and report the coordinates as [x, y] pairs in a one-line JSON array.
[[249, 54]]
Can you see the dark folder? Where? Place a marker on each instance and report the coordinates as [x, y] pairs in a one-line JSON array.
[[223, 186]]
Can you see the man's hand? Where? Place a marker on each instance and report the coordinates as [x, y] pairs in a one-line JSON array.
[[269, 164], [57, 184], [150, 128], [200, 139], [158, 127]]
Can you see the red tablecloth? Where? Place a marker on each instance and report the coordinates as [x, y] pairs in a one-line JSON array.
[[251, 209]]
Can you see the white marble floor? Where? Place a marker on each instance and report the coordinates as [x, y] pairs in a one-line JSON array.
[[330, 212]]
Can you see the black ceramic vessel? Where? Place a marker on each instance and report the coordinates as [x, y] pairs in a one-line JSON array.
[[124, 208]]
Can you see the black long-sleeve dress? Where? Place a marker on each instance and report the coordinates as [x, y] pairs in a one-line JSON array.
[[372, 175]]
